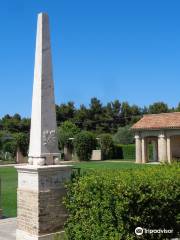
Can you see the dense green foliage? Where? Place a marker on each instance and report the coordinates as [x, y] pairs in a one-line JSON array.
[[10, 142], [97, 117], [124, 151], [67, 130], [22, 142], [106, 145], [123, 136], [84, 143], [8, 177], [158, 107], [127, 151], [111, 204]]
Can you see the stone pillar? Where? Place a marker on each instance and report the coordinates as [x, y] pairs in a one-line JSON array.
[[155, 150], [138, 149], [144, 150], [162, 148], [41, 212], [19, 156], [169, 154], [67, 154]]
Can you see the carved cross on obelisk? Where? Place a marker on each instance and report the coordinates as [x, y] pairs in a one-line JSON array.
[[43, 148]]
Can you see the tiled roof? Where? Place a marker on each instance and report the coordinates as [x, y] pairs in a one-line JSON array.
[[158, 121]]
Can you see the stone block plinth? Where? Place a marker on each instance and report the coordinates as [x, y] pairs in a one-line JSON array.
[[40, 209], [96, 155]]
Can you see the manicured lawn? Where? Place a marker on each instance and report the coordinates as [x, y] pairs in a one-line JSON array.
[[9, 181], [109, 165], [8, 177]]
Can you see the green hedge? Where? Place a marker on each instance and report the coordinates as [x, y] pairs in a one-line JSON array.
[[106, 145], [109, 205], [84, 143], [128, 151]]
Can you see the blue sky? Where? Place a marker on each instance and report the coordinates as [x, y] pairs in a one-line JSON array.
[[112, 49]]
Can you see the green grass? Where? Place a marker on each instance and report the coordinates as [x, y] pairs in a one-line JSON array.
[[109, 165], [8, 177]]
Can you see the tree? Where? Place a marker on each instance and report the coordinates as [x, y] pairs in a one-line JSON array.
[[81, 116], [158, 107], [125, 113], [67, 130], [95, 106], [17, 116], [65, 112], [123, 136]]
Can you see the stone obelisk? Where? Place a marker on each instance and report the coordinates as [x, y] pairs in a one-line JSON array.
[[40, 210], [43, 148]]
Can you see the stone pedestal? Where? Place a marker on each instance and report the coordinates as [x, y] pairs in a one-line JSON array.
[[19, 157], [40, 210], [96, 155], [67, 154]]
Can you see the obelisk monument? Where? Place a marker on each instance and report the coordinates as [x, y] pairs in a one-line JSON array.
[[43, 148], [40, 209]]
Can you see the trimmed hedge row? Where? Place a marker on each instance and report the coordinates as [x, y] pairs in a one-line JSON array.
[[128, 151], [109, 205]]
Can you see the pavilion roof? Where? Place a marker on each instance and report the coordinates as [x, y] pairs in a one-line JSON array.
[[158, 121]]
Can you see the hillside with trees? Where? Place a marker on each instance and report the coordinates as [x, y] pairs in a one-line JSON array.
[[114, 118]]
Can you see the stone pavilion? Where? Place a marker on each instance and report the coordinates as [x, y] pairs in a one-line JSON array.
[[163, 132]]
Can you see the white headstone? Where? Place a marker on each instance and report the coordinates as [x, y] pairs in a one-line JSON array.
[[43, 148]]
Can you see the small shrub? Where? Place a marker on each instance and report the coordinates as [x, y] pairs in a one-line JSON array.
[[84, 143], [109, 205], [106, 145]]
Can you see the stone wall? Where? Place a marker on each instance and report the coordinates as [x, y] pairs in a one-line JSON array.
[[49, 218]]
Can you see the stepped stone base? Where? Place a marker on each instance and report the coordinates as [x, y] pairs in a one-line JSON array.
[[41, 212]]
